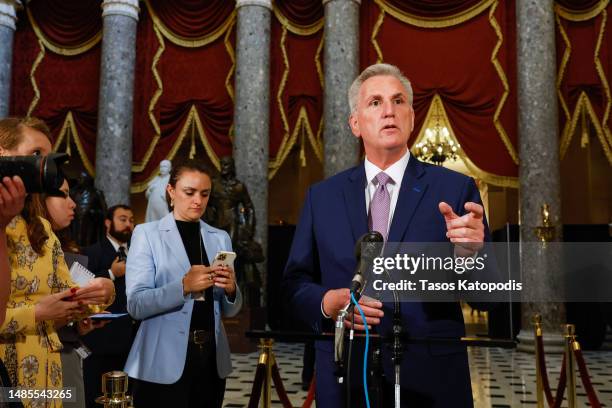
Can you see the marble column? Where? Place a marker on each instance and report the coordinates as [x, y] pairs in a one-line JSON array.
[[115, 110], [8, 19], [341, 61], [252, 108], [539, 169]]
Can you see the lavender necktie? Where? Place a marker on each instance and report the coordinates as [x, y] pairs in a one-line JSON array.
[[380, 205]]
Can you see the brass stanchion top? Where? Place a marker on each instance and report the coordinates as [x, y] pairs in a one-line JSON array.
[[570, 330], [537, 324]]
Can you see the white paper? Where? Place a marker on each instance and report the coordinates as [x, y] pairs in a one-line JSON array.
[[80, 274]]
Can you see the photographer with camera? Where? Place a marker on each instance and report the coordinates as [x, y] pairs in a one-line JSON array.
[[12, 196], [43, 295]]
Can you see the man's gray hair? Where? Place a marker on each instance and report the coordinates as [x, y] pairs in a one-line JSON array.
[[372, 71]]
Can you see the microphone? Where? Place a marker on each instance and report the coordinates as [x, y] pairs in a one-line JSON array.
[[367, 248]]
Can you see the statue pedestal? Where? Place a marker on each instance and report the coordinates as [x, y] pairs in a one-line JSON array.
[[249, 318]]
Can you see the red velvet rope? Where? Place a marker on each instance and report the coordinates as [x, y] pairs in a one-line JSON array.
[[257, 383], [311, 394], [543, 371], [280, 388], [561, 387], [553, 402], [586, 380]]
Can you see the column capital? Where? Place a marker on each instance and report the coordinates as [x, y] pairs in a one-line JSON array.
[[329, 1], [263, 3], [8, 13], [128, 8]]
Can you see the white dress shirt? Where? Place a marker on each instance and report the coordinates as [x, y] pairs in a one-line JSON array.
[[396, 172]]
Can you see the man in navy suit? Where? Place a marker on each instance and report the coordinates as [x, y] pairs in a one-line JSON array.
[[111, 344], [424, 203]]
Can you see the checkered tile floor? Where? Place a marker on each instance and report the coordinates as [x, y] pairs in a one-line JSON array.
[[500, 378]]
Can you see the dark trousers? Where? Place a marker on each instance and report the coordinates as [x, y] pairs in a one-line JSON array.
[[93, 368], [198, 387]]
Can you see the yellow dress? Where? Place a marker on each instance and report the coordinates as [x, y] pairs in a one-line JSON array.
[[30, 350]]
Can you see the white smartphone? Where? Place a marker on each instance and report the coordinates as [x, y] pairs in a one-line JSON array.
[[224, 258]]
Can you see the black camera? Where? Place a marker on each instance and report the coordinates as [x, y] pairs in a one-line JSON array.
[[40, 174]]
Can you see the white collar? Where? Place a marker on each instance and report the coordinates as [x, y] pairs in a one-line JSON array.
[[395, 171], [114, 242]]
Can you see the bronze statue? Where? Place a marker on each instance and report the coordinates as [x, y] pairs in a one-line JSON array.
[[231, 209], [87, 227]]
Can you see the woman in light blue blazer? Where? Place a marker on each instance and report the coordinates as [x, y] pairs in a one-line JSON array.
[[181, 356]]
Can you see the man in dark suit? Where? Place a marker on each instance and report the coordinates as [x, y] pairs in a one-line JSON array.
[[111, 344], [406, 201]]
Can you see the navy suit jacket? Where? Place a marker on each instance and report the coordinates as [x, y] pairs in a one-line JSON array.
[[322, 258], [116, 337]]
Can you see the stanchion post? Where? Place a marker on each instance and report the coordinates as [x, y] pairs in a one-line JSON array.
[[266, 358], [570, 366], [537, 328]]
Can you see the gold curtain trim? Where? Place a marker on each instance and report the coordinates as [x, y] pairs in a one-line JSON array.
[[62, 50], [562, 67], [189, 42], [37, 61], [302, 122], [193, 118], [504, 80], [379, 22], [571, 118], [602, 76], [158, 28], [290, 137], [232, 55], [139, 167], [285, 145], [229, 78], [297, 28], [502, 181], [584, 103], [70, 126], [435, 22], [572, 15], [318, 62]]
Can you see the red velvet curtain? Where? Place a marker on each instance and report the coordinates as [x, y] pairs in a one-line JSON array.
[[578, 5], [67, 22], [580, 75], [455, 63], [65, 83], [302, 87], [192, 18], [190, 77], [432, 8], [300, 12]]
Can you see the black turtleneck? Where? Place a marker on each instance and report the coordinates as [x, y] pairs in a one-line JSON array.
[[202, 317]]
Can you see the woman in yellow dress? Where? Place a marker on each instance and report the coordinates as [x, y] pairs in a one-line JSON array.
[[43, 296]]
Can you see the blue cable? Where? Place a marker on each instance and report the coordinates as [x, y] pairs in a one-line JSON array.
[[365, 357]]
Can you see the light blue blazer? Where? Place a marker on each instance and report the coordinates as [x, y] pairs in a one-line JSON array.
[[155, 267]]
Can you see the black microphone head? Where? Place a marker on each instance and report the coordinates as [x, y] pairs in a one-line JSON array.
[[368, 245]]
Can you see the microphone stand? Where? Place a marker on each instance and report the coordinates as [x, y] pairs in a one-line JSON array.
[[396, 355], [339, 335]]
